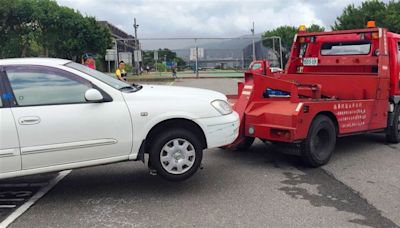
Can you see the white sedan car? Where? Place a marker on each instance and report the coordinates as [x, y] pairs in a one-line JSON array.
[[56, 115]]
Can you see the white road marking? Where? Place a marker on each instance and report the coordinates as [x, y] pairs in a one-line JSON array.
[[14, 185], [7, 206], [12, 200], [13, 216]]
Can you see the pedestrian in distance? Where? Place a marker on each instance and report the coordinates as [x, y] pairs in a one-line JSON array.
[[174, 75], [89, 61], [120, 72], [148, 69]]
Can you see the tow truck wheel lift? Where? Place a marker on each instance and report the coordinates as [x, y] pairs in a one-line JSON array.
[[335, 84]]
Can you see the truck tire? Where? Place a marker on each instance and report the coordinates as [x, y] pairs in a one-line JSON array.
[[393, 132], [176, 154], [245, 144], [320, 143]]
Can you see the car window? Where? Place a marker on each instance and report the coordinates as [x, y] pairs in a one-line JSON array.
[[44, 86]]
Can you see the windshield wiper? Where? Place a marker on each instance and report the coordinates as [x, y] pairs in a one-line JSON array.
[[137, 86]]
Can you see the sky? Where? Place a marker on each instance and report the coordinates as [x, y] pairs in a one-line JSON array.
[[209, 18]]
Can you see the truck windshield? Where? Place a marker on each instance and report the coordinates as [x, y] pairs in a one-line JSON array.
[[346, 48]]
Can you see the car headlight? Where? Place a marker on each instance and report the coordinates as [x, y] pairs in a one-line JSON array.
[[222, 107]]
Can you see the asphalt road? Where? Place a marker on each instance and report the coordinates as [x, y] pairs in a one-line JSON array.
[[256, 188]]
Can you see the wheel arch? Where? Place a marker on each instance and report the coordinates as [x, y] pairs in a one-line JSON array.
[[331, 116], [176, 123]]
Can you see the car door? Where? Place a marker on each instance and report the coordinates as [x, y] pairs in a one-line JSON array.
[[57, 126], [10, 159]]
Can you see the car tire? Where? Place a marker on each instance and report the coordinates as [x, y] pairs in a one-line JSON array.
[[176, 154], [393, 132], [320, 143], [245, 144]]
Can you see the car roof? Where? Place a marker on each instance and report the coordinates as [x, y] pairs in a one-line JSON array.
[[34, 61]]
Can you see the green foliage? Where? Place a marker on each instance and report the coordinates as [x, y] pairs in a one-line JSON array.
[[161, 67], [128, 68], [43, 28], [386, 15], [286, 33]]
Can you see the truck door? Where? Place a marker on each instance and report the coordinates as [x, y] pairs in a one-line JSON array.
[[10, 157]]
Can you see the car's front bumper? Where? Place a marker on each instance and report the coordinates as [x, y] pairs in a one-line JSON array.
[[221, 130]]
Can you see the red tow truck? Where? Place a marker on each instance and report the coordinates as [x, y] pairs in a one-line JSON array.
[[335, 84]]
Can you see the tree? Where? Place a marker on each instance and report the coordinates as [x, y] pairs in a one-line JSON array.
[[43, 28], [286, 33], [18, 29], [385, 14]]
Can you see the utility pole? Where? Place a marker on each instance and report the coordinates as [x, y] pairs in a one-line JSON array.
[[165, 61], [135, 26], [254, 44], [197, 58]]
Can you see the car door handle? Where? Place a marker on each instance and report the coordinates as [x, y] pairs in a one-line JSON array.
[[29, 120]]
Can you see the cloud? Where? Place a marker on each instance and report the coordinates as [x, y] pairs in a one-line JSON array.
[[209, 18]]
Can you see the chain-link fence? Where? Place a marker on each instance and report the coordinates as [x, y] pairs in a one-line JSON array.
[[204, 56]]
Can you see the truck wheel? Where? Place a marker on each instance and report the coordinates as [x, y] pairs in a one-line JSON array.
[[393, 133], [320, 143], [176, 154], [245, 144]]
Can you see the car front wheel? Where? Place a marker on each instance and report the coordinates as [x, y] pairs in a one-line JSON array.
[[176, 154]]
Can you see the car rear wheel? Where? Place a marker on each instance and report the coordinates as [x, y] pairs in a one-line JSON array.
[[393, 132], [176, 154], [320, 143]]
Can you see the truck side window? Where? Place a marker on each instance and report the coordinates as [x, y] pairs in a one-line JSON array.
[[256, 66]]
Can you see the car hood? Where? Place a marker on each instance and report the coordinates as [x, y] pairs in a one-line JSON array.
[[160, 92]]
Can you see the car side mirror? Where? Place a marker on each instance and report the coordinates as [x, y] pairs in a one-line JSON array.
[[93, 95]]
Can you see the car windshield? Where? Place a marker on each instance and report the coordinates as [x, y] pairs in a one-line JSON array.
[[109, 80]]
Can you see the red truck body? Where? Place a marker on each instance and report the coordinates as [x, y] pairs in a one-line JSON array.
[[350, 77]]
